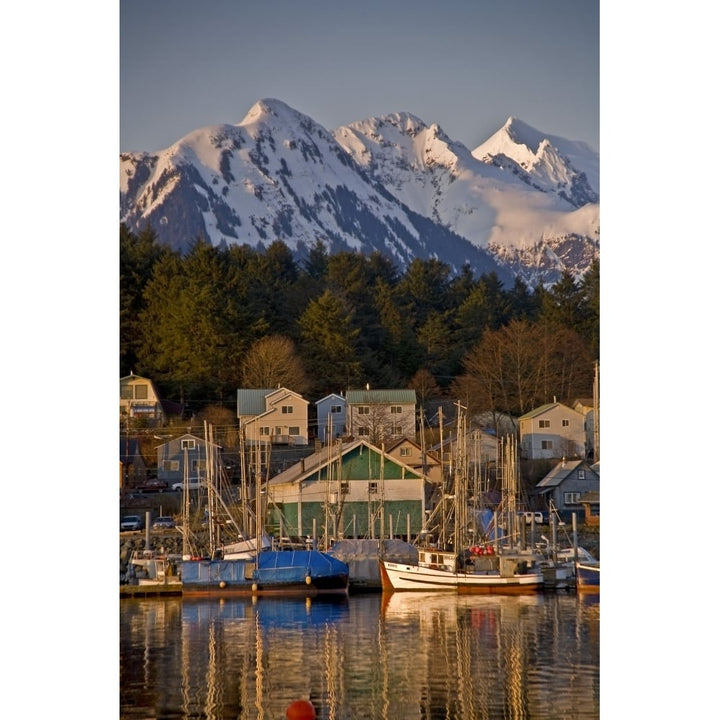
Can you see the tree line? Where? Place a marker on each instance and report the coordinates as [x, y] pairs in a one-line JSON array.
[[204, 323]]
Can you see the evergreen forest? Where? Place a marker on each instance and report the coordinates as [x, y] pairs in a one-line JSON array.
[[212, 320]]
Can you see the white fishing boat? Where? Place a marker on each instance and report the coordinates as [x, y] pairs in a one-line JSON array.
[[491, 567], [151, 573], [465, 572]]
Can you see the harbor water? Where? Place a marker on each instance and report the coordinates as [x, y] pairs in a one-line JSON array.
[[373, 656]]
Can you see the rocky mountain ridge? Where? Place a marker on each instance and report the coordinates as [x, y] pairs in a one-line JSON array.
[[521, 204]]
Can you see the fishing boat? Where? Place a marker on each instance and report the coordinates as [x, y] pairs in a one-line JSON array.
[[440, 570], [587, 576], [151, 573], [305, 573], [363, 557], [497, 566], [251, 565]]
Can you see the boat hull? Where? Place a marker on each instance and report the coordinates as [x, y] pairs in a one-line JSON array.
[[304, 573], [401, 577], [587, 577]]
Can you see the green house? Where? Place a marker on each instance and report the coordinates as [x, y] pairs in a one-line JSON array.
[[347, 490]]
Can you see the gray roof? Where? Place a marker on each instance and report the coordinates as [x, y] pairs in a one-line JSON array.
[[252, 402], [381, 397], [559, 473]]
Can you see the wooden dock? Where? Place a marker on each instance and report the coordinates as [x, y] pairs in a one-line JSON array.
[[169, 589]]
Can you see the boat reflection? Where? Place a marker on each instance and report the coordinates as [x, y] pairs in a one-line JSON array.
[[375, 656]]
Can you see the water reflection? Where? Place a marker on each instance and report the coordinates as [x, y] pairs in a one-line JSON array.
[[405, 655]]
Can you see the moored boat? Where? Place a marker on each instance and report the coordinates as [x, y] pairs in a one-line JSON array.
[[503, 573], [151, 573], [587, 576], [305, 573]]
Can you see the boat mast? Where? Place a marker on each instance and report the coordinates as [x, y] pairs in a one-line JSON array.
[[460, 489], [186, 504], [596, 413], [209, 476]]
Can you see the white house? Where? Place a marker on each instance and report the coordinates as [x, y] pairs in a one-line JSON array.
[[552, 431], [381, 416], [139, 399], [276, 416]]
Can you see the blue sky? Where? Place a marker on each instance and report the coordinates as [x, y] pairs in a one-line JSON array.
[[464, 64]]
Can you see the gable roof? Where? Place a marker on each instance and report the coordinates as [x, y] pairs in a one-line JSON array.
[[559, 473], [201, 441], [253, 401], [330, 397], [545, 408], [380, 397], [318, 461]]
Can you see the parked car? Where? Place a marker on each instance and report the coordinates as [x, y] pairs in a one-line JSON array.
[[192, 485], [163, 523], [153, 486], [131, 522]]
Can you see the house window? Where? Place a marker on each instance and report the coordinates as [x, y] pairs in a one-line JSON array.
[[546, 445], [396, 409], [171, 465], [286, 410], [344, 487], [581, 474], [405, 452], [571, 498], [372, 488], [187, 444], [196, 465], [141, 392], [544, 423], [565, 423], [336, 408], [294, 430], [364, 430], [126, 392], [397, 430], [264, 430], [363, 410]]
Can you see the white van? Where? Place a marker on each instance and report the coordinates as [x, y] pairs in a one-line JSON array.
[[192, 485], [528, 515]]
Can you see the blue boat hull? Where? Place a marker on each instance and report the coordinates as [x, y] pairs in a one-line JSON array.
[[587, 577], [284, 572]]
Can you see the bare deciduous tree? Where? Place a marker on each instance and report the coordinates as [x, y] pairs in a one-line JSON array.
[[272, 362]]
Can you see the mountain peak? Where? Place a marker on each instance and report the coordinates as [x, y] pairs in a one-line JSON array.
[[392, 184]]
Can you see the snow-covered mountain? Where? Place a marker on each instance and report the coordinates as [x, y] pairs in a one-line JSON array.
[[522, 203]]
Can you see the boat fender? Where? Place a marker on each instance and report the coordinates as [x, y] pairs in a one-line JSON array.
[[490, 550], [254, 587], [308, 580], [222, 584]]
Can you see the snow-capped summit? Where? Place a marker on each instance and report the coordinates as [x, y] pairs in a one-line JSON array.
[[550, 163], [391, 184]]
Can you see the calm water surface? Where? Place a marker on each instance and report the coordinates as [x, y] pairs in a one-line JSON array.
[[375, 656]]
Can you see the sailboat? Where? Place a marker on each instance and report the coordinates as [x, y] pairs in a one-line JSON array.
[[252, 567], [494, 566]]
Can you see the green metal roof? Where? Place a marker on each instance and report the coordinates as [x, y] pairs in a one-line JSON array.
[[380, 397], [252, 402]]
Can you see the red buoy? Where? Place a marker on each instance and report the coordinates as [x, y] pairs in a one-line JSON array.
[[300, 710]]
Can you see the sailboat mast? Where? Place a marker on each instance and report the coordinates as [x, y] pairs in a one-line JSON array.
[[596, 413], [186, 504], [210, 494]]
